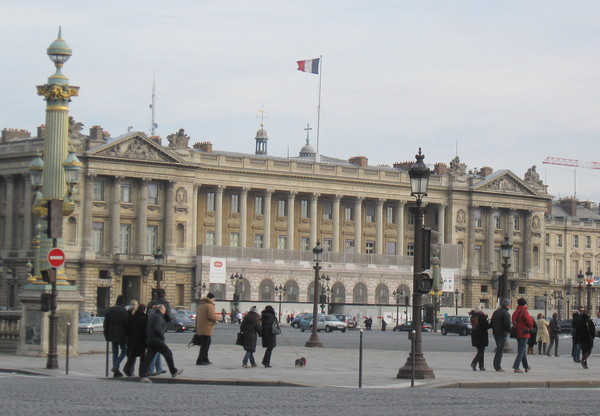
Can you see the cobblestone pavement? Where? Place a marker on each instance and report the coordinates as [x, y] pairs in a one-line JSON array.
[[23, 395]]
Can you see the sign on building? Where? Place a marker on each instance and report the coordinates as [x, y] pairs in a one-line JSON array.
[[218, 267], [447, 279]]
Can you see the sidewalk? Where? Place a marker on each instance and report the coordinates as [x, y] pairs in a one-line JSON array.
[[329, 367]]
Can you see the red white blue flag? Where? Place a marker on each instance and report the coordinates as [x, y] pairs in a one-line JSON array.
[[310, 65]]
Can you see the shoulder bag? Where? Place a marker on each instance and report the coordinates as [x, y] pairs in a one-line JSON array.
[[240, 339], [275, 328]]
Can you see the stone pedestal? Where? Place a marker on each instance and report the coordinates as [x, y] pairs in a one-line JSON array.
[[34, 336]]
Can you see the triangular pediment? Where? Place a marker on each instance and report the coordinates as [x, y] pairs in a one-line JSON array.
[[135, 146], [504, 182]]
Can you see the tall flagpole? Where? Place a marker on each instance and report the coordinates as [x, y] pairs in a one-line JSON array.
[[319, 108]]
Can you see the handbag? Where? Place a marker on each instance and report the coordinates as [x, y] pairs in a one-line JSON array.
[[195, 340], [513, 331], [275, 328], [240, 339]]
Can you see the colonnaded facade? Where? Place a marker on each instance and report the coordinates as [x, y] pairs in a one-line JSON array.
[[260, 216]]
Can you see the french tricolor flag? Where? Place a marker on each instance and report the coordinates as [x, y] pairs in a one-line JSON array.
[[310, 65]]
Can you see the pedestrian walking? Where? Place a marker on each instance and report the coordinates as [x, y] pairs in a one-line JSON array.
[[586, 331], [533, 339], [500, 324], [523, 322], [206, 319], [554, 332], [269, 337], [136, 339], [479, 336], [250, 328], [115, 330], [223, 316], [238, 317], [543, 336], [576, 350], [383, 324], [368, 323], [159, 297], [155, 340]]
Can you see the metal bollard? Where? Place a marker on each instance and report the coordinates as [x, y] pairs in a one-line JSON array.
[[360, 359], [68, 342], [106, 358]]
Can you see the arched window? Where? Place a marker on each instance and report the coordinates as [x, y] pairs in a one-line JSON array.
[[245, 292], [338, 293], [266, 290], [310, 294], [292, 291], [382, 294], [218, 289], [180, 236], [71, 231], [360, 293]]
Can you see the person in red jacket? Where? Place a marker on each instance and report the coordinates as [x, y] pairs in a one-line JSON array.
[[523, 322]]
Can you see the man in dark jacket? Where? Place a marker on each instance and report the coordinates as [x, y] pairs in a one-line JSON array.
[[576, 350], [115, 330], [500, 323], [155, 340]]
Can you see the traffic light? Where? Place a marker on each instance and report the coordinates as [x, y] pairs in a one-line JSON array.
[[236, 297], [157, 275], [45, 302], [424, 283], [55, 218], [426, 249], [49, 276]]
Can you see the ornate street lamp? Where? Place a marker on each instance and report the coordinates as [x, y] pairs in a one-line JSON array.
[[568, 294], [318, 259], [280, 291], [436, 295], [589, 279], [325, 291], [416, 365], [158, 261], [236, 280], [580, 278], [456, 294], [506, 249], [398, 294]]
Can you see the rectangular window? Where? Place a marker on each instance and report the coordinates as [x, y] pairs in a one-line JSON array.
[[179, 294], [235, 203], [281, 208], [370, 247], [327, 244], [516, 260], [98, 190], [477, 218], [410, 249], [597, 242], [547, 240], [575, 241], [390, 248], [484, 288], [558, 270], [234, 239], [349, 212], [349, 246], [517, 223], [497, 259], [521, 290], [559, 240], [547, 265], [327, 209], [125, 238], [258, 241], [126, 192], [496, 220], [369, 212], [588, 241], [151, 238], [304, 213], [304, 243], [281, 242], [478, 257], [411, 216], [153, 194], [98, 237], [210, 201], [258, 205], [391, 219], [210, 238]]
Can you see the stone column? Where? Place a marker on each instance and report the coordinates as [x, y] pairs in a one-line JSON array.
[[168, 218], [336, 223], [267, 219], [358, 224], [9, 211], [379, 226], [441, 213], [243, 216], [196, 191], [86, 219], [115, 217], [511, 224], [491, 246], [313, 219], [400, 227], [27, 214], [142, 218], [527, 243], [471, 241], [291, 237], [219, 215]]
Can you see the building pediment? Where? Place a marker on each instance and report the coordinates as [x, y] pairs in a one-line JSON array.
[[504, 182], [135, 146]]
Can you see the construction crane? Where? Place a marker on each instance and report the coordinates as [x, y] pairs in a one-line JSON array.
[[573, 163]]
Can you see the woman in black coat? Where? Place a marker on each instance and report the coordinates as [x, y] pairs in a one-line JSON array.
[[269, 339], [479, 336], [586, 330], [250, 328], [136, 339]]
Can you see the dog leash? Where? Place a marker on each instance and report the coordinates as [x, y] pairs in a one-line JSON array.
[[286, 340]]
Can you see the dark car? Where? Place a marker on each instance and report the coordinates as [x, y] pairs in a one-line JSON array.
[[296, 321], [408, 326], [181, 323], [565, 326], [460, 325], [348, 319]]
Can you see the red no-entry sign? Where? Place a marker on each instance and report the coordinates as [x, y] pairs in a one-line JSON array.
[[56, 257]]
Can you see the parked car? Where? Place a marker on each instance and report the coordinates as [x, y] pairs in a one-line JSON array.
[[91, 324], [181, 323], [408, 326], [296, 321], [453, 324], [565, 326], [327, 323], [348, 319]]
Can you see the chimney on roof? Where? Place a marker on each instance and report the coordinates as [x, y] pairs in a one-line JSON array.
[[41, 131], [204, 147], [569, 205], [96, 133], [485, 171], [404, 165], [440, 168], [11, 134], [361, 161]]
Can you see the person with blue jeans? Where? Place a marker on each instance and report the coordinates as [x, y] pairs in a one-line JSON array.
[[115, 332], [523, 322], [500, 329]]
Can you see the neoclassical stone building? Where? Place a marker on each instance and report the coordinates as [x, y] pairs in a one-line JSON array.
[[263, 215]]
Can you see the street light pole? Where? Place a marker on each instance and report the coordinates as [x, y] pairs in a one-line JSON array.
[[398, 294], [589, 279], [456, 293], [317, 258], [416, 365], [546, 305], [568, 294], [580, 277], [506, 249], [236, 281], [158, 260], [279, 291]]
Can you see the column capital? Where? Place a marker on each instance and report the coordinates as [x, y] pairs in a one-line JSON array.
[[338, 198], [315, 196], [171, 184], [401, 203], [381, 201], [292, 195], [118, 179], [145, 181], [360, 199], [245, 190], [221, 189], [269, 193], [197, 187]]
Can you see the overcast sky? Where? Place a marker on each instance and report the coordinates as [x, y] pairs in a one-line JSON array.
[[503, 83]]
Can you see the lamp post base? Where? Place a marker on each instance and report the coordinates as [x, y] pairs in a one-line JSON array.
[[313, 342], [422, 370]]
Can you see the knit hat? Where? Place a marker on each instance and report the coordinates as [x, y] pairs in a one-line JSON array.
[[505, 302], [253, 309], [477, 309]]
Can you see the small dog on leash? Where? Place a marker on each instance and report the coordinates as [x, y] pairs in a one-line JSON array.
[[300, 362]]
